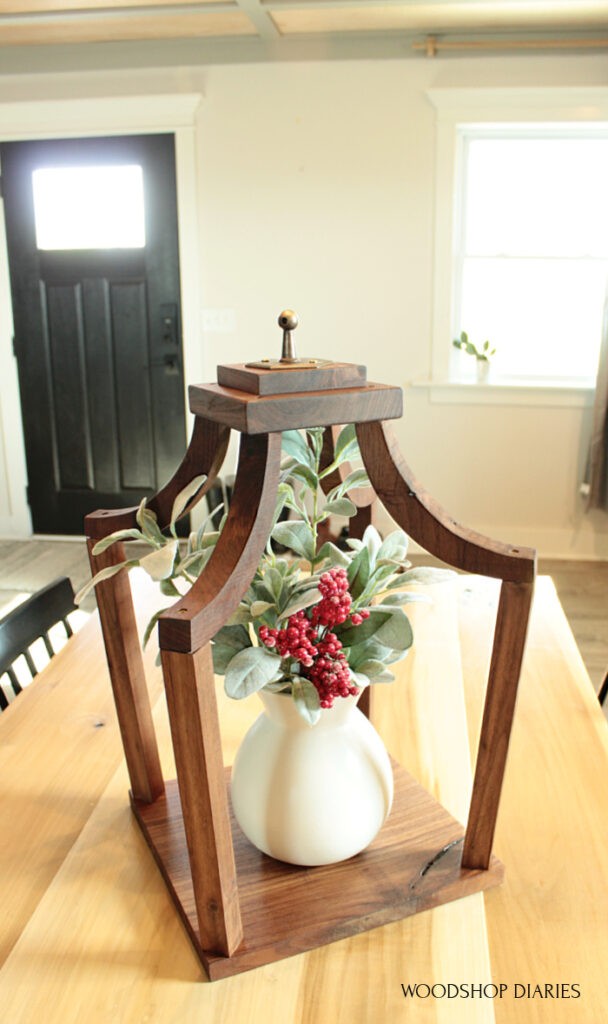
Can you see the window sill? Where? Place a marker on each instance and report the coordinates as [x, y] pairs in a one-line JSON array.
[[556, 395]]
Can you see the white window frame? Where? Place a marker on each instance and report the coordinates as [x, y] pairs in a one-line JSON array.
[[457, 111]]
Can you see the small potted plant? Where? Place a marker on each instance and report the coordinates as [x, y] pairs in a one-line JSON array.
[[312, 781], [482, 355]]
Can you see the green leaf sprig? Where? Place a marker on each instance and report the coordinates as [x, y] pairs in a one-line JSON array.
[[464, 343]]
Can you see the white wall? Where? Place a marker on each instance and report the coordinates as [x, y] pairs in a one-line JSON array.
[[14, 510], [316, 192]]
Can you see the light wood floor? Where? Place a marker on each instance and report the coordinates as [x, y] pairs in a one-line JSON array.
[[583, 592], [25, 566]]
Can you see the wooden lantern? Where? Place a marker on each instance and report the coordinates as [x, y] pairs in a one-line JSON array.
[[241, 908]]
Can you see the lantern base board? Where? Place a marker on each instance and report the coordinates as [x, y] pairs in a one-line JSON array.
[[412, 865]]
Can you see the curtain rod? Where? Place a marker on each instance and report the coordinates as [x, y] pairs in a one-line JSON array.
[[432, 45]]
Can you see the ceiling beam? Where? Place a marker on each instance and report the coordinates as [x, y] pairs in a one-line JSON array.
[[199, 52], [261, 18]]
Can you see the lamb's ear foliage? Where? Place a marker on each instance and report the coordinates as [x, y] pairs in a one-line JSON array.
[[163, 562], [183, 499], [300, 486]]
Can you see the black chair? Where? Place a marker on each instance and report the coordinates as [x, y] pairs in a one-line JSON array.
[[29, 622]]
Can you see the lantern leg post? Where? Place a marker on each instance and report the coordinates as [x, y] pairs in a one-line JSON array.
[[507, 655], [195, 732], [127, 675]]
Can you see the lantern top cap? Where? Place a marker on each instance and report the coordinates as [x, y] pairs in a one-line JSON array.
[[290, 374], [254, 398]]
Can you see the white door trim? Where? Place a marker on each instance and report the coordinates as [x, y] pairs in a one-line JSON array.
[[78, 118]]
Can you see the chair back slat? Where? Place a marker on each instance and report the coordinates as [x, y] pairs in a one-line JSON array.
[[27, 623], [12, 675], [32, 619], [29, 661], [48, 645]]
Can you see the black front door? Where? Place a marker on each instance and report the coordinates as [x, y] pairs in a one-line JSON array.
[[96, 320]]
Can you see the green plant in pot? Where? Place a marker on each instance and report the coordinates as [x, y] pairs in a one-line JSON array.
[[481, 355], [311, 782]]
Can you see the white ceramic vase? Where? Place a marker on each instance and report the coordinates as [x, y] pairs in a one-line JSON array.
[[311, 795]]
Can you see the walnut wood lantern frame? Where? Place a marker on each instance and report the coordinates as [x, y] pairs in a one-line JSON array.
[[241, 908]]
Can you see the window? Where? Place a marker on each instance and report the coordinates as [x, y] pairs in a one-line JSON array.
[[89, 207], [531, 263], [521, 240]]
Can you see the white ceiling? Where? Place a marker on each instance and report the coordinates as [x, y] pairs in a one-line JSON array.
[[323, 25]]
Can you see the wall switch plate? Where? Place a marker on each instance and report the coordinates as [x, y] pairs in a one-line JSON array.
[[219, 321]]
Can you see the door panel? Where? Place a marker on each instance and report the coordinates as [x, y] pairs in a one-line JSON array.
[[63, 337], [133, 399], [98, 340]]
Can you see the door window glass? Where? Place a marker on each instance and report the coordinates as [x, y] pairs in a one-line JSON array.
[[89, 207]]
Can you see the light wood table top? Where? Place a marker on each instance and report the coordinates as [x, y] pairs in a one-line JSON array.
[[88, 932]]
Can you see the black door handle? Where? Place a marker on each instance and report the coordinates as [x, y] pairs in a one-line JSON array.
[[170, 364]]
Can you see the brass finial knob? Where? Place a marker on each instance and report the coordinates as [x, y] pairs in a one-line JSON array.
[[288, 320]]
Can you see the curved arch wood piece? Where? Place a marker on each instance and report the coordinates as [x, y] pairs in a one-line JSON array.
[[193, 620], [205, 454], [426, 522]]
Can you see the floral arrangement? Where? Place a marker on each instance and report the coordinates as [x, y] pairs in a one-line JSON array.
[[318, 626]]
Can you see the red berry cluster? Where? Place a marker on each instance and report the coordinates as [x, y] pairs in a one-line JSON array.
[[295, 641], [334, 606], [330, 672], [314, 645]]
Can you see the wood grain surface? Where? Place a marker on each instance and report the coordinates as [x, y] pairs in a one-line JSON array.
[[414, 864], [286, 381], [87, 921], [505, 666], [258, 414], [127, 674], [206, 837]]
